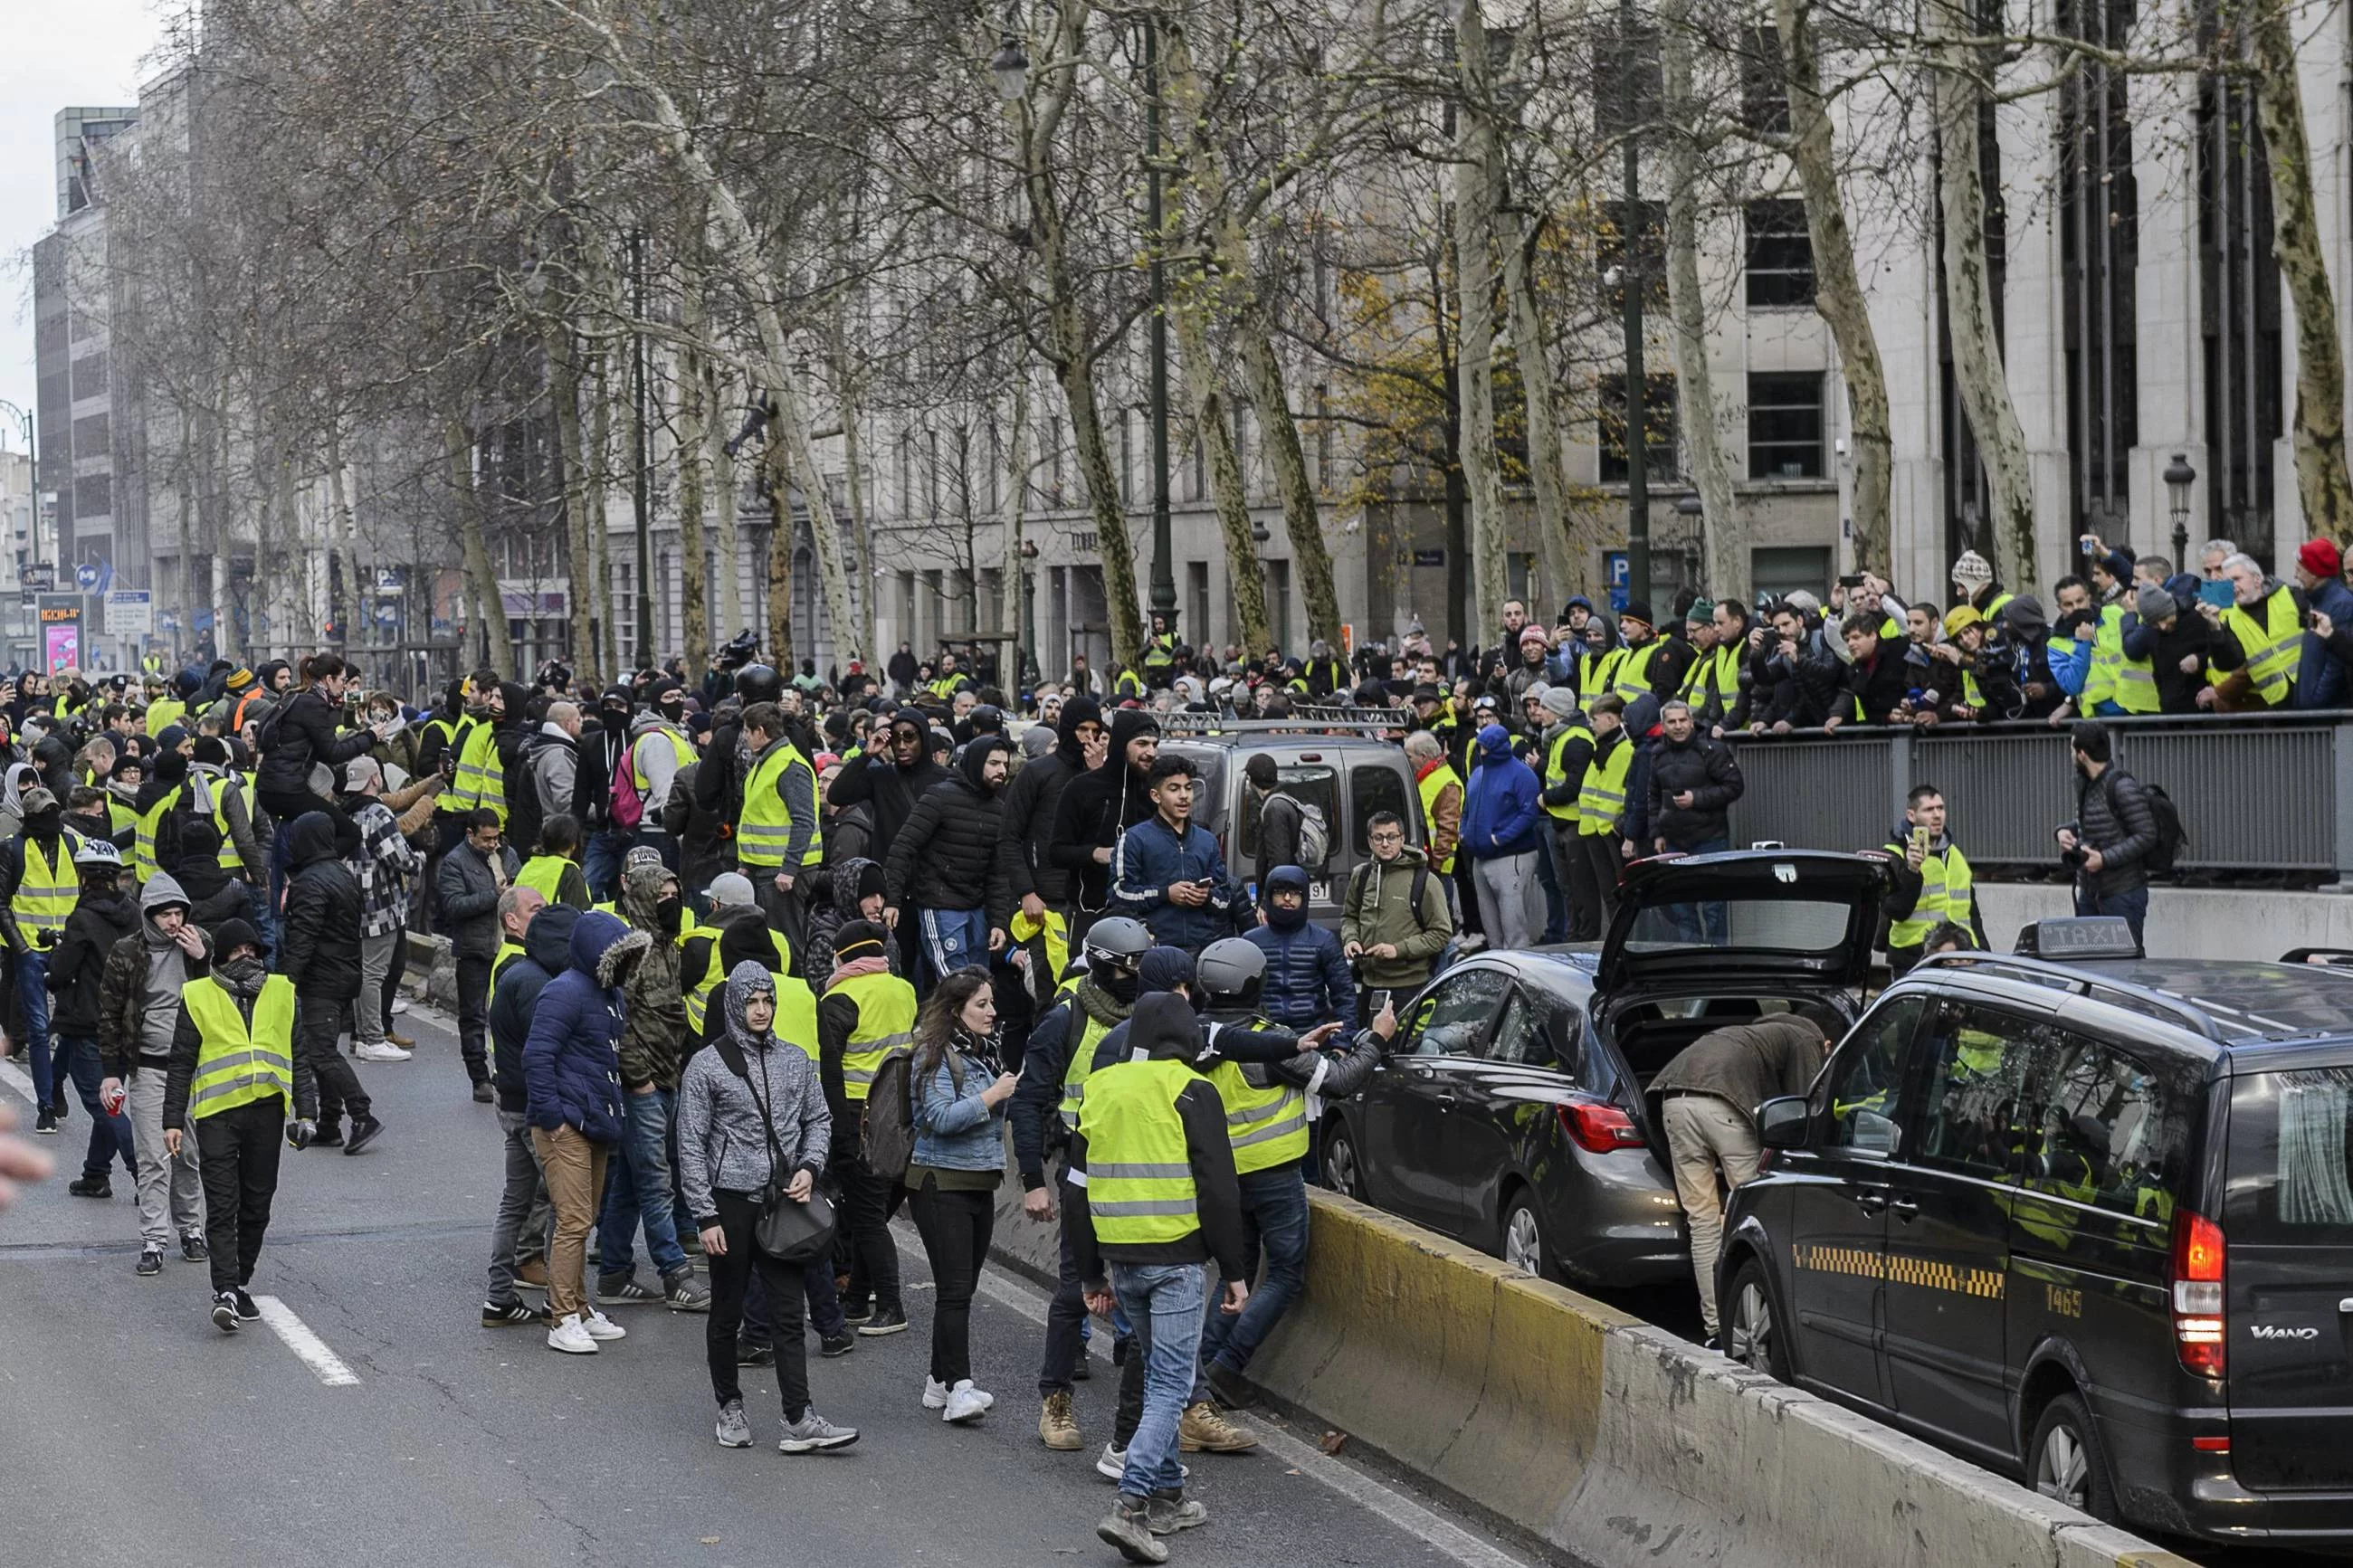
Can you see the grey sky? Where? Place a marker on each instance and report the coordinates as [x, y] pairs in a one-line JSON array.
[[59, 52]]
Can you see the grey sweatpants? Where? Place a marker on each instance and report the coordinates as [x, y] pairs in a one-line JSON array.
[[368, 1013], [1511, 900], [171, 1191]]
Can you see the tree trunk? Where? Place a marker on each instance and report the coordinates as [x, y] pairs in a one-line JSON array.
[[2317, 431], [1959, 92], [1213, 428], [694, 547], [726, 491], [581, 599], [1565, 565], [599, 589], [1838, 287], [1310, 561], [853, 474], [776, 474], [1016, 570], [1478, 152], [342, 564], [1725, 564], [474, 552]]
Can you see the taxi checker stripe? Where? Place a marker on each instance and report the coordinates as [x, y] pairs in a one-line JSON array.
[[1101, 1171]]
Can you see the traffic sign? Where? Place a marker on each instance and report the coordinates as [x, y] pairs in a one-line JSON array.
[[131, 611], [85, 576]]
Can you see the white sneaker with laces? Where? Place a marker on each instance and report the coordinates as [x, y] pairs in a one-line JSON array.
[[935, 1393], [600, 1326], [380, 1051], [569, 1337], [399, 1005], [965, 1403]]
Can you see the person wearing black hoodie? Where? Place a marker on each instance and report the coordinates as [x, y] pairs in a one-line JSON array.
[[520, 1238], [32, 912], [1139, 1113], [1096, 807], [945, 872], [104, 916], [890, 780], [321, 954], [607, 747], [1032, 800]]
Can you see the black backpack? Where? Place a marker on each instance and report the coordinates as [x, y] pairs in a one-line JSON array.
[[887, 1131], [1421, 886], [2172, 836]]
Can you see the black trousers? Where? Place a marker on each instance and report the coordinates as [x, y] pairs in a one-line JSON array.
[[398, 967], [238, 1151], [317, 1026], [1586, 893], [1066, 1315], [1603, 861], [731, 1274], [955, 1228], [474, 1015], [867, 1203]]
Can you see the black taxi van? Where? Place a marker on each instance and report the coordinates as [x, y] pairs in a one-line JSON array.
[[2088, 1222]]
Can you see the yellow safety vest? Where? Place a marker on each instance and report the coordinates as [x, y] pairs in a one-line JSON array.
[[1052, 937], [508, 950], [681, 748], [1139, 1174], [1267, 1126], [119, 816], [1430, 786], [544, 874], [223, 787], [1595, 671], [886, 1023], [699, 989], [164, 713], [795, 1022], [1945, 895], [1633, 677], [1075, 1072], [481, 779], [49, 887], [2132, 682], [142, 844], [2107, 650], [766, 830], [1714, 678], [237, 1065], [1552, 774], [2271, 650], [1603, 799]]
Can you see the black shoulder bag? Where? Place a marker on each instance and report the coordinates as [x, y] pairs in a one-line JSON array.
[[788, 1231]]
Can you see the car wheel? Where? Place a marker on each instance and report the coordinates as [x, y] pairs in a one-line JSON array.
[[1752, 1329], [2069, 1466], [1342, 1170], [1522, 1235]]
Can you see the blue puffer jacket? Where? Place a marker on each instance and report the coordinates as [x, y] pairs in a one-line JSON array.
[[572, 1059], [954, 1130], [1149, 860], [1307, 979], [1499, 803]]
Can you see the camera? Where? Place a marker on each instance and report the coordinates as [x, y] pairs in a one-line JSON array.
[[2073, 859]]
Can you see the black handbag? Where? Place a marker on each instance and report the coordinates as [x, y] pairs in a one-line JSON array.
[[788, 1231]]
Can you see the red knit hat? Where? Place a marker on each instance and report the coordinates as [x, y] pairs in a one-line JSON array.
[[2320, 558]]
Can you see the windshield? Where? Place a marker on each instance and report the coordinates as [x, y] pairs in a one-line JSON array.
[[1778, 925], [2291, 1179]]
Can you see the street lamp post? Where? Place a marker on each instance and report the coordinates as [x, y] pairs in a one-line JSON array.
[[1638, 469], [1164, 573], [638, 501], [2178, 477], [1031, 670]]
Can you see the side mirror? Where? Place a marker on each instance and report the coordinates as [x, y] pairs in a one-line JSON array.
[[1781, 1122]]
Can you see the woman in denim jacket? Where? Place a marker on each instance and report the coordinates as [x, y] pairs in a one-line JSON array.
[[959, 1086]]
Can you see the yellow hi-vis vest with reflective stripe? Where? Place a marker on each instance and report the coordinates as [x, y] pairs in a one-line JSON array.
[[1945, 895], [2107, 652], [2271, 650], [235, 1065], [681, 748], [1603, 799], [1430, 786], [1082, 1064], [714, 974], [544, 874], [1268, 1126], [1715, 678], [766, 830], [1595, 671], [164, 713], [1633, 677], [795, 1022], [886, 1023], [1139, 1175], [48, 888], [142, 842], [223, 785], [1052, 940], [1552, 773], [508, 950], [481, 779]]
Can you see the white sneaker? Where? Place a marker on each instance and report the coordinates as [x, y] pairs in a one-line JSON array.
[[399, 1005], [380, 1051], [935, 1393], [600, 1326], [1111, 1464], [572, 1338], [965, 1403]]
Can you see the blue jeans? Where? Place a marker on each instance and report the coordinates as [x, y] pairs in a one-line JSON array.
[[1168, 1296], [33, 993], [265, 918], [108, 1135], [602, 865], [636, 1191], [2133, 906], [1274, 1215], [953, 939]]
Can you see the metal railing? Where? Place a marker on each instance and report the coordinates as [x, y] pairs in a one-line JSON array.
[[2256, 792]]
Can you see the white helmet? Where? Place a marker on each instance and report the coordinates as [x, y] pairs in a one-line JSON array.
[[98, 852]]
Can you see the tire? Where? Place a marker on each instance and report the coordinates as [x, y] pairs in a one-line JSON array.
[[1520, 1239], [1753, 1332], [2066, 1463], [1343, 1168]]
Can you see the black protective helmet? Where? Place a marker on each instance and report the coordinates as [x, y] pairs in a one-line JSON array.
[[759, 683], [1117, 940], [1230, 972]]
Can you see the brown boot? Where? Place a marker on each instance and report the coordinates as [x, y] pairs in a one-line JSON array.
[[1058, 1429], [532, 1272], [1204, 1430]]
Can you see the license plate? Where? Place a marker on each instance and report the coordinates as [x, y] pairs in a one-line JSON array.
[[1319, 892]]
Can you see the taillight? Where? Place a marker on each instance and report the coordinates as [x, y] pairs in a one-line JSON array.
[[1597, 1127], [2197, 1326]]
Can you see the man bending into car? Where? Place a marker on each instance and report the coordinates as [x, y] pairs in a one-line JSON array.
[[1710, 1094]]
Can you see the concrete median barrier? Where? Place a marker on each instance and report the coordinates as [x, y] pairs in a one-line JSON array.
[[1608, 1440]]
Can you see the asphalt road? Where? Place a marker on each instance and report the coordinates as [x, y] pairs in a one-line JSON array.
[[132, 1431]]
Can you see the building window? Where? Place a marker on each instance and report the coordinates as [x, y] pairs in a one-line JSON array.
[[1784, 425], [1614, 58], [2099, 245], [1781, 569], [1780, 254], [1197, 603], [93, 496], [1764, 84], [1659, 445], [1278, 602], [2238, 306]]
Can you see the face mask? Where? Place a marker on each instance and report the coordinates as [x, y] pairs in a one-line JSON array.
[[667, 913], [1118, 983]]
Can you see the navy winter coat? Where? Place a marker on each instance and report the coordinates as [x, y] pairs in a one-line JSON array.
[[572, 1059], [1150, 859], [1307, 979]]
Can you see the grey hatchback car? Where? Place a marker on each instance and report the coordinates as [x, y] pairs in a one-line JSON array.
[[1512, 1109]]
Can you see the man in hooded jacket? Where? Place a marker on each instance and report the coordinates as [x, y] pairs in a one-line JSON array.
[[1098, 806], [138, 1008], [518, 1239], [946, 870], [322, 956], [888, 781], [1034, 798]]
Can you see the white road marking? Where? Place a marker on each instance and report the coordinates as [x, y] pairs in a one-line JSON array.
[[1366, 1491], [310, 1347], [20, 1080]]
